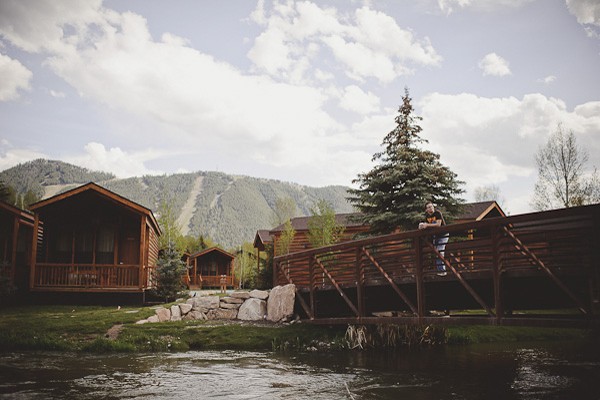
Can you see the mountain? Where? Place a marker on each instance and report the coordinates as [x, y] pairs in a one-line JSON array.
[[227, 208]]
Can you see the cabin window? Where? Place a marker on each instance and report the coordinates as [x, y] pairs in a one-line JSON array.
[[105, 245], [84, 247]]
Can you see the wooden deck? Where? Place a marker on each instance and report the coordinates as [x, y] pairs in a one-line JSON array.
[[532, 269]]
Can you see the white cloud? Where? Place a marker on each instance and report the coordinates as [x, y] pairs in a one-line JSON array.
[[586, 11], [448, 7], [367, 44], [493, 64], [493, 140], [114, 160], [9, 156], [547, 80], [15, 77], [356, 100]]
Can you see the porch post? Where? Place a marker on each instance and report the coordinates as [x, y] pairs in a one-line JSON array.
[[142, 260], [34, 247], [13, 255]]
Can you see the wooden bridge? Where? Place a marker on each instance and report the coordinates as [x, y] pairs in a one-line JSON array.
[[539, 269]]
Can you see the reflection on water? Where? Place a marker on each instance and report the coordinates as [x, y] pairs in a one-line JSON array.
[[464, 372]]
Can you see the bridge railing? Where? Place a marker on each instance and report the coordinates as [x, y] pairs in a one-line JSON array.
[[553, 244]]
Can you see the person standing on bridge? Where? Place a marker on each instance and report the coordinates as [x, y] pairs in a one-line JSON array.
[[433, 219]]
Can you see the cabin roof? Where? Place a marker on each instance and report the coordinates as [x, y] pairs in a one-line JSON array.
[[261, 238], [210, 250], [301, 223], [102, 192], [23, 214], [479, 210]]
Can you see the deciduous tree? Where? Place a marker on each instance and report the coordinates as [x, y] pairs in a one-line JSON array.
[[562, 178], [323, 229]]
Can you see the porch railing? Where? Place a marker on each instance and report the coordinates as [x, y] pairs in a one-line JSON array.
[[204, 281], [49, 275]]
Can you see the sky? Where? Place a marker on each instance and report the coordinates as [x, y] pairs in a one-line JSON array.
[[299, 91]]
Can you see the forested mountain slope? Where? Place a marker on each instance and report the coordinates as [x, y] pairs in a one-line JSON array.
[[227, 208]]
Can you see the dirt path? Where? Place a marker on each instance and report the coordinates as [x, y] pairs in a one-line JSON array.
[[113, 332], [187, 212]]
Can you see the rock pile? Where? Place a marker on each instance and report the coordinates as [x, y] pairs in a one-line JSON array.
[[256, 305]]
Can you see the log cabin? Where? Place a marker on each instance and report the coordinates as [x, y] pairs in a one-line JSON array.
[[93, 240], [16, 228], [211, 268]]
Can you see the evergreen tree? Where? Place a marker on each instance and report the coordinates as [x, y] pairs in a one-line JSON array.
[[4, 192], [393, 194], [169, 272]]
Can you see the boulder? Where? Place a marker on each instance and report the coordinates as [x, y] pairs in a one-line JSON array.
[[231, 306], [231, 300], [281, 303], [259, 294], [240, 295], [221, 313], [163, 314], [153, 319], [208, 302], [175, 313], [192, 315], [185, 308], [253, 309]]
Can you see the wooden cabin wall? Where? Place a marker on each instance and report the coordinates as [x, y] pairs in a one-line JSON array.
[[153, 247], [301, 242]]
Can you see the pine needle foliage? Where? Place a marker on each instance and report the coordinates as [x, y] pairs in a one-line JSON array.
[[169, 271], [393, 194]]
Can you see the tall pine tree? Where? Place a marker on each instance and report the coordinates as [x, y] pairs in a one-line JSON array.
[[393, 194]]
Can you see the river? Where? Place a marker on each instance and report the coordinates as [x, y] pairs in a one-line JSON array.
[[485, 371]]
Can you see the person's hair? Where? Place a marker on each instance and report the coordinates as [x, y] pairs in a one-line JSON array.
[[428, 203]]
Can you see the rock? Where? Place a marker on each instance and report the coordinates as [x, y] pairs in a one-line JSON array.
[[185, 308], [153, 319], [192, 315], [221, 313], [231, 300], [175, 313], [142, 322], [230, 306], [383, 314], [259, 294], [163, 314], [240, 295], [253, 309], [208, 302], [281, 302]]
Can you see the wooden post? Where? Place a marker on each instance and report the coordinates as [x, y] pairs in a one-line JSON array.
[[34, 247], [311, 280], [419, 278], [13, 255], [497, 274], [360, 282], [142, 259]]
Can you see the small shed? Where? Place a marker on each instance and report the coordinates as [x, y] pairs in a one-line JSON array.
[[210, 267], [16, 227], [93, 240], [478, 211]]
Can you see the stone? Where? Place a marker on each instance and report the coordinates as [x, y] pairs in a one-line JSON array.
[[240, 295], [185, 308], [153, 319], [142, 322], [281, 303], [193, 315], [259, 294], [208, 302], [175, 312], [231, 300], [253, 309], [163, 314], [231, 306], [221, 313]]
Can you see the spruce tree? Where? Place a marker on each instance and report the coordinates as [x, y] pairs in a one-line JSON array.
[[169, 273], [393, 194]]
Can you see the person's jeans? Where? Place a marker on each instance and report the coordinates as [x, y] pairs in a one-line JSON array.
[[440, 245]]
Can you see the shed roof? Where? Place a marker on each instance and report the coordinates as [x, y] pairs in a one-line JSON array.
[[480, 210], [261, 238], [102, 192]]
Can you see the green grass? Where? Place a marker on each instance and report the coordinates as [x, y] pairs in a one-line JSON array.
[[84, 328]]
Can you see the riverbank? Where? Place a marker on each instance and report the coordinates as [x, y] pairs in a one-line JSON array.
[[113, 329]]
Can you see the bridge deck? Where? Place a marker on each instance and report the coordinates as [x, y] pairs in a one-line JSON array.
[[505, 267]]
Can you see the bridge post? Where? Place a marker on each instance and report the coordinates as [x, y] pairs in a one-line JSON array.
[[419, 278], [497, 274], [311, 280], [360, 282]]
